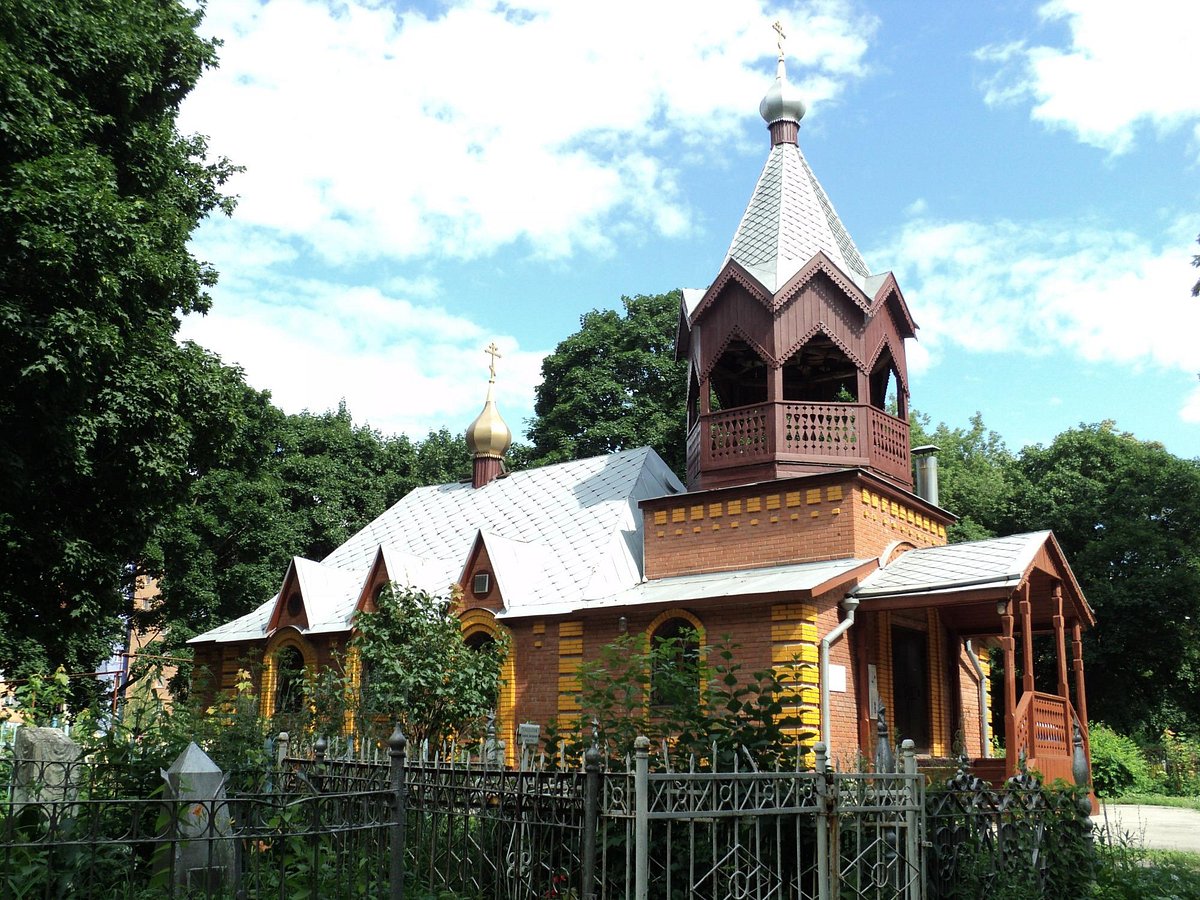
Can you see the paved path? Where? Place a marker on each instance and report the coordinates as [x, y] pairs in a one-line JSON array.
[[1157, 827]]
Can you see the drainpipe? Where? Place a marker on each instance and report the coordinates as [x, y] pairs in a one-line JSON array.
[[850, 604], [985, 735]]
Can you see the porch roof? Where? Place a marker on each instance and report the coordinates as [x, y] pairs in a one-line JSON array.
[[975, 573], [806, 578]]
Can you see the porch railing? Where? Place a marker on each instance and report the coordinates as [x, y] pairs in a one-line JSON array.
[[849, 434], [1044, 733]]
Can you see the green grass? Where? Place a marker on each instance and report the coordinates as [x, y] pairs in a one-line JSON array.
[[1155, 800], [1127, 871]]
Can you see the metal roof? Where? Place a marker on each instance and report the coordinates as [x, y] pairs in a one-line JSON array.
[[709, 585], [789, 218], [995, 562], [558, 534]]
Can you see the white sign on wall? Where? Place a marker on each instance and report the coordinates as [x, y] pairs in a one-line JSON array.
[[837, 679]]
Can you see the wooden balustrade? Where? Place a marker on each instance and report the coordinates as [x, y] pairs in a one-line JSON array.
[[1045, 735], [850, 434]]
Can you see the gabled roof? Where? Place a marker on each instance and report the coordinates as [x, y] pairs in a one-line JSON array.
[[788, 220], [565, 533]]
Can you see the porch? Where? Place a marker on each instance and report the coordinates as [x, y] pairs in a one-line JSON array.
[[1002, 593]]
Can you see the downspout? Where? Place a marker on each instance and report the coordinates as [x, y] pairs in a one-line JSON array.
[[850, 604], [985, 735]]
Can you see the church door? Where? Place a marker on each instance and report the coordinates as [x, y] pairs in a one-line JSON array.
[[910, 686]]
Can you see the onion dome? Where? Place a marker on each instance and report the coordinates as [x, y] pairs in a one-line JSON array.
[[488, 435], [781, 103]]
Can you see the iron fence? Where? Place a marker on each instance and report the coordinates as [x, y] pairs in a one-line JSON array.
[[377, 822]]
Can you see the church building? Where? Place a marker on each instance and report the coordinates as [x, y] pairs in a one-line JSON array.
[[801, 531]]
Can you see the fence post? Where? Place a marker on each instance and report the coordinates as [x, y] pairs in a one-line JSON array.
[[823, 888], [396, 746], [641, 818], [912, 848], [281, 749], [591, 804]]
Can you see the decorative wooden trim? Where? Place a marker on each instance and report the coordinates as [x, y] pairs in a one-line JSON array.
[[818, 264], [886, 342], [736, 332], [822, 328], [732, 271]]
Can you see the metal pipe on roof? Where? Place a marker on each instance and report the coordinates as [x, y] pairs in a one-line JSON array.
[[850, 604], [926, 464], [985, 737]]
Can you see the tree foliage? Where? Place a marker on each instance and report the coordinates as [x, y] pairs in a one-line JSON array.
[[291, 485], [614, 385], [102, 414], [418, 670], [975, 475], [1127, 513]]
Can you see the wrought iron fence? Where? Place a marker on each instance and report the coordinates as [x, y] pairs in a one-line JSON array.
[[375, 822]]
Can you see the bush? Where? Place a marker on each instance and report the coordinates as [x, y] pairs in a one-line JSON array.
[[1118, 766], [1176, 765]]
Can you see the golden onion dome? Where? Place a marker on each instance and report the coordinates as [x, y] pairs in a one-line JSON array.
[[488, 435]]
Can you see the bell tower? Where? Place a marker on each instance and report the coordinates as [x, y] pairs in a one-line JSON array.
[[796, 349]]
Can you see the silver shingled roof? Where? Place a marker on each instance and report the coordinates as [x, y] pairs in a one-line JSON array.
[[569, 533], [789, 218], [994, 562]]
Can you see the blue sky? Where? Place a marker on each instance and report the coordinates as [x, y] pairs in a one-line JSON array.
[[423, 179]]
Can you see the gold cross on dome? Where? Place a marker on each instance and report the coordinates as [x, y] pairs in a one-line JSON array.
[[494, 352], [778, 26]]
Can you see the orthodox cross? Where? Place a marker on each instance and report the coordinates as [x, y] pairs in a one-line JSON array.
[[494, 352], [778, 26]]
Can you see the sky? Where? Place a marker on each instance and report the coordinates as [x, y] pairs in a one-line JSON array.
[[423, 179]]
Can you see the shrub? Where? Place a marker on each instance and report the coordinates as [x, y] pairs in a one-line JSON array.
[[1118, 766], [1176, 769]]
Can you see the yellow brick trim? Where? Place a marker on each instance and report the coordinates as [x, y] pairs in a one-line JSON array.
[[794, 640]]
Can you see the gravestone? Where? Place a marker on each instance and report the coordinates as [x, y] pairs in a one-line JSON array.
[[45, 766], [202, 845]]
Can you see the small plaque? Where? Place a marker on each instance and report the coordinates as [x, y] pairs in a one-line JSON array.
[[529, 734], [837, 679]]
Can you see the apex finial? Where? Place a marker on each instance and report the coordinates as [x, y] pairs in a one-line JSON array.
[[494, 352], [778, 26]]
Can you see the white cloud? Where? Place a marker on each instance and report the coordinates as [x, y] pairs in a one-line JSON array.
[[1124, 67], [368, 132], [1067, 288], [404, 365], [1191, 407]]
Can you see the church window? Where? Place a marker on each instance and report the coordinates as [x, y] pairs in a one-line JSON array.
[[289, 680], [674, 663]]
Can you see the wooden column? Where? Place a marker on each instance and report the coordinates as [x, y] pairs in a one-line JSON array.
[[1026, 640], [705, 396], [1077, 665], [774, 384], [1060, 641], [1008, 647]]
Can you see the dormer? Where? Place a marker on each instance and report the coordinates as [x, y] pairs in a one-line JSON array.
[[796, 349]]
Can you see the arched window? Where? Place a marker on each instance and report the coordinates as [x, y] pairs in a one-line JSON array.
[[289, 680], [674, 662], [883, 380]]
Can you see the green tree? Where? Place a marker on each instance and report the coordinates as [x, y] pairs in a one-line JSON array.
[[102, 414], [614, 385], [420, 672], [976, 475], [289, 485], [1127, 513]]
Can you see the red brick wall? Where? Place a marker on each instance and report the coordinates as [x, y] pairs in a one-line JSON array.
[[795, 520]]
